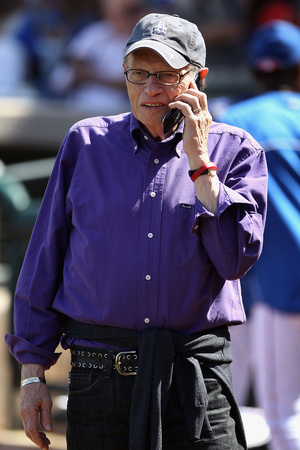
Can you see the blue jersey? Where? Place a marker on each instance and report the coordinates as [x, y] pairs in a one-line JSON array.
[[273, 119]]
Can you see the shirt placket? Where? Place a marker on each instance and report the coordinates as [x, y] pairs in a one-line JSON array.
[[150, 237]]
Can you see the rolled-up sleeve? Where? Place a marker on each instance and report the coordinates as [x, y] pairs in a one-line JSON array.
[[233, 238]]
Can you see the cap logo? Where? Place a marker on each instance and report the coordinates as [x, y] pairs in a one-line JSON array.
[[161, 28]]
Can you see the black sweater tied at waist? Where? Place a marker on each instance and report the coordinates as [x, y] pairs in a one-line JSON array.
[[164, 355]]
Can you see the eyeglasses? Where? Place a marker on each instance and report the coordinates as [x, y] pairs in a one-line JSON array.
[[166, 78]]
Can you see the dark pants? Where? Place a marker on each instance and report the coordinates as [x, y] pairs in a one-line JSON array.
[[99, 408]]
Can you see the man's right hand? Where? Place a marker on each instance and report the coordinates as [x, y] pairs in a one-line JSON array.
[[35, 406]]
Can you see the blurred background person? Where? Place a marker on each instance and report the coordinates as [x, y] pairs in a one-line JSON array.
[[45, 28], [82, 79], [229, 28], [273, 118], [262, 11], [14, 61]]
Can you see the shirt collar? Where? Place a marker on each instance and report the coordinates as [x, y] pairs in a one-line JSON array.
[[142, 139]]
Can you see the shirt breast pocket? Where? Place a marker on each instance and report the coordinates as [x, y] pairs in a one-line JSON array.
[[189, 251]]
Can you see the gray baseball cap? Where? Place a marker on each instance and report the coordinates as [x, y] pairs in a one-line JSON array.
[[176, 40]]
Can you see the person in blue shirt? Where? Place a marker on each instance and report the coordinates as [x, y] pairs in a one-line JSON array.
[[273, 118]]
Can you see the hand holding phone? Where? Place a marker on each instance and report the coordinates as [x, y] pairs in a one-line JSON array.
[[174, 116]]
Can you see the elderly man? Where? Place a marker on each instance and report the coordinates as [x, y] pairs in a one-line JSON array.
[[146, 227]]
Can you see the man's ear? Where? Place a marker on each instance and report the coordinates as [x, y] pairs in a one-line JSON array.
[[203, 72], [200, 78]]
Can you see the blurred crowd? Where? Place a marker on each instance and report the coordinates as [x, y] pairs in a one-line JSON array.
[[71, 50]]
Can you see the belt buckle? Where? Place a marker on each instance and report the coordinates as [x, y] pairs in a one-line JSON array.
[[131, 370]]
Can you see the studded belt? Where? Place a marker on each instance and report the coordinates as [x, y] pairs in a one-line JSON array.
[[125, 363]]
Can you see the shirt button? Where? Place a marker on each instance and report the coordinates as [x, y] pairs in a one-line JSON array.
[[146, 320], [156, 161], [148, 277], [136, 147], [146, 138], [153, 194], [150, 235]]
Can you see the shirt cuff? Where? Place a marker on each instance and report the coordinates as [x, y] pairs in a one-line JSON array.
[[26, 353], [227, 197]]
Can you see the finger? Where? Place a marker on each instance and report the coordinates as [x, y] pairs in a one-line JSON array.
[[188, 105], [193, 85], [203, 101], [46, 418], [45, 441], [38, 438], [190, 97], [199, 95], [196, 111]]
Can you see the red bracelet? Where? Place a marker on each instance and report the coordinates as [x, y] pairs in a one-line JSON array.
[[205, 169]]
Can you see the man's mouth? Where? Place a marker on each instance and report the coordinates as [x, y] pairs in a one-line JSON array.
[[153, 105]]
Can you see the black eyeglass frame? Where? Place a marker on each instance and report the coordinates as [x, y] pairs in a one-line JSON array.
[[180, 76]]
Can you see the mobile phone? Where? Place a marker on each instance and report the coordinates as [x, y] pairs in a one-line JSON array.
[[174, 116]]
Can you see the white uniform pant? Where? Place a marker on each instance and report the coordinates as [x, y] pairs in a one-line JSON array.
[[267, 350]]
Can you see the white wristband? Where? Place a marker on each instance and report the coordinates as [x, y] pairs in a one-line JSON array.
[[32, 380]]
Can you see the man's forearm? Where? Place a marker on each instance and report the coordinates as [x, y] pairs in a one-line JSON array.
[[207, 190]]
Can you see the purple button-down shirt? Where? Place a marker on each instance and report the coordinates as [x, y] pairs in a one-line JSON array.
[[122, 240]]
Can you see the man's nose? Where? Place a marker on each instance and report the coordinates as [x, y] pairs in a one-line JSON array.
[[153, 87]]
